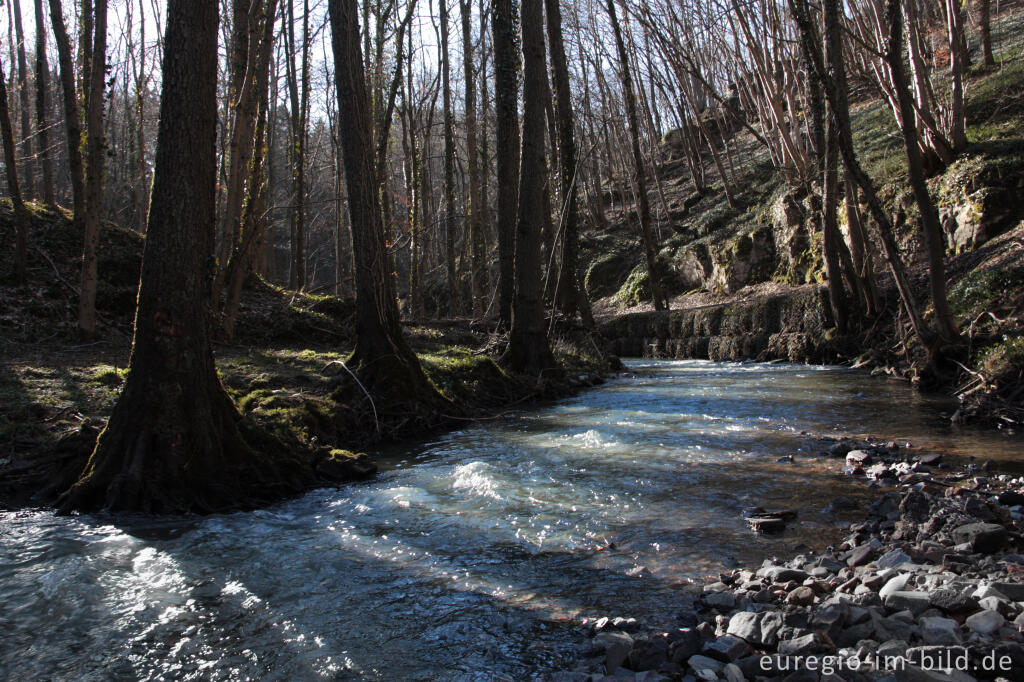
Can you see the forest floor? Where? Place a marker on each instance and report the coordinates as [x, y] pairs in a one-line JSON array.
[[285, 368]]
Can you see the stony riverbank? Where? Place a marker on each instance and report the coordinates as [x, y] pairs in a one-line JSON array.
[[932, 577]]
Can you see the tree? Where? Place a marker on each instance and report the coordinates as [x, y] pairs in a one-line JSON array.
[[478, 274], [173, 442], [640, 175], [528, 351], [96, 149], [13, 186], [43, 106], [28, 167], [569, 295], [449, 164], [383, 360], [985, 29], [298, 89], [506, 89]]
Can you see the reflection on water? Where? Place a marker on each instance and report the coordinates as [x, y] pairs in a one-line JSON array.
[[470, 555]]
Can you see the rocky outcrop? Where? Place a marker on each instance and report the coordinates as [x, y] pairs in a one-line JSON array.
[[979, 195], [784, 327]]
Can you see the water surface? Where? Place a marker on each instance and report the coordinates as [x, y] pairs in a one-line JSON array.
[[471, 556]]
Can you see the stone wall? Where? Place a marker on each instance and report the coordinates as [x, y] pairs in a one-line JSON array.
[[784, 327]]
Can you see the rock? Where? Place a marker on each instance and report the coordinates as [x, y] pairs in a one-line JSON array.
[[684, 643], [723, 601], [982, 537], [805, 645], [985, 622], [1012, 591], [733, 673], [1011, 498], [766, 524], [860, 556], [858, 457], [830, 619], [727, 648], [930, 459], [781, 574], [893, 585], [616, 646], [940, 631], [952, 601], [893, 559], [801, 596], [747, 626], [915, 602], [648, 654], [699, 664]]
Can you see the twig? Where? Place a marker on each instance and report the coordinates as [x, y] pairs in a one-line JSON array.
[[369, 397]]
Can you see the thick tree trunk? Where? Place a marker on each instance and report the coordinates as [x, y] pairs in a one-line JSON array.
[[173, 442], [570, 297], [96, 157], [506, 74], [43, 107], [72, 122], [478, 275], [528, 351], [13, 186], [382, 358], [985, 29], [640, 180]]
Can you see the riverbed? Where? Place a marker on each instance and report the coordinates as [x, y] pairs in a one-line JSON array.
[[472, 556]]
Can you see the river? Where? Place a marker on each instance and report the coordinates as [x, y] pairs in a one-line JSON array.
[[472, 556]]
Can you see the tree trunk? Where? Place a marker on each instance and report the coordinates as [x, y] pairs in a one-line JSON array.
[[72, 121], [657, 297], [43, 107], [933, 237], [958, 73], [298, 89], [985, 30], [13, 186], [570, 297], [478, 276], [454, 306], [387, 366], [506, 74], [173, 443], [96, 156], [528, 351], [28, 173]]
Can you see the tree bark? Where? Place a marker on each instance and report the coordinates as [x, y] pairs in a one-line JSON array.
[[985, 30], [28, 175], [454, 304], [13, 186], [478, 276], [382, 358], [570, 297], [72, 122], [96, 157], [173, 443], [43, 107], [930, 226], [506, 75], [528, 351], [640, 180]]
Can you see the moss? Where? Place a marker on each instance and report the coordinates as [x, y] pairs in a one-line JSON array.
[[983, 289], [1005, 357], [636, 289], [604, 276]]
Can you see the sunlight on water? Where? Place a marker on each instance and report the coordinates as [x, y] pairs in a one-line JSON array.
[[469, 555]]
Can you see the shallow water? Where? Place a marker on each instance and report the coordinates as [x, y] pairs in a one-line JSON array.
[[471, 556]]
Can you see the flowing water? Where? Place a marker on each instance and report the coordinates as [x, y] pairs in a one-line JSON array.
[[471, 556]]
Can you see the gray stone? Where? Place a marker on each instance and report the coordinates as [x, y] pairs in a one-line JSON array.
[[700, 663], [801, 596], [617, 646], [940, 631], [812, 643], [747, 626], [648, 654], [727, 648], [985, 622], [1013, 591], [952, 600], [684, 643], [894, 585], [893, 559], [982, 537], [723, 601], [733, 673], [782, 574], [860, 556], [915, 602]]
